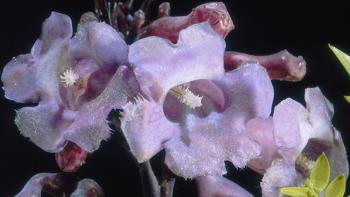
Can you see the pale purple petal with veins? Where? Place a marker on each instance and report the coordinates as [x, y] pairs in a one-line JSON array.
[[210, 186], [197, 55]]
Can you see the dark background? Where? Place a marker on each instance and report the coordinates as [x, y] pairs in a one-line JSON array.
[[262, 27]]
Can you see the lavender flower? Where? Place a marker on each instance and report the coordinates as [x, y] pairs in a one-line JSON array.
[[293, 139], [74, 81], [191, 107]]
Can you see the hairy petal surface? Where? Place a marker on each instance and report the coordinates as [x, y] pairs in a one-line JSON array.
[[205, 143], [146, 128]]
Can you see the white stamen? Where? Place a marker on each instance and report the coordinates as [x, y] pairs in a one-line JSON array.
[[187, 97], [68, 78]]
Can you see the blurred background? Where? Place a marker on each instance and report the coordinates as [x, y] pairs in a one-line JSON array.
[[262, 27]]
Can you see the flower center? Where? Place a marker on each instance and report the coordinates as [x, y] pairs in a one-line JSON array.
[[187, 97], [69, 78]]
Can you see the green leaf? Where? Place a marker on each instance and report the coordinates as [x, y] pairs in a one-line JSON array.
[[295, 191], [347, 98], [342, 57], [337, 187], [319, 175]]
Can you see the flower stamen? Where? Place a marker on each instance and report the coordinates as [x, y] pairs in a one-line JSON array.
[[187, 97], [68, 78]]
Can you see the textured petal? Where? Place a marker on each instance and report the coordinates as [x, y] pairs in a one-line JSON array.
[[190, 162], [42, 125], [90, 126], [160, 65], [87, 188], [209, 186], [280, 174], [100, 42], [203, 150], [207, 142], [35, 185], [146, 128]]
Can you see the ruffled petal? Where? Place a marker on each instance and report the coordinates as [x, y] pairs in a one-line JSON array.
[[34, 77], [100, 42], [250, 95], [190, 160], [160, 65], [205, 145], [146, 128], [57, 27], [209, 186], [43, 125], [207, 142]]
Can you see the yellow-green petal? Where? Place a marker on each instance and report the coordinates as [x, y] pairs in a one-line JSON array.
[[320, 173], [295, 191], [342, 57], [337, 187], [347, 98]]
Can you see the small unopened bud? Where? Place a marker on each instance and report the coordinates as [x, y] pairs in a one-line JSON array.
[[71, 158]]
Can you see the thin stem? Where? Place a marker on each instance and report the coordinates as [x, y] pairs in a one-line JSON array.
[[167, 187], [150, 187]]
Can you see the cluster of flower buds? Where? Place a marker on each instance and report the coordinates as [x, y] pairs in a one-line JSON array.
[[178, 90]]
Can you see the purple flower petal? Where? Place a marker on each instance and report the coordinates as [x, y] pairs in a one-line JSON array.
[[207, 142], [146, 128], [261, 130], [100, 42], [29, 77], [210, 186], [289, 116], [90, 126], [280, 174], [160, 65]]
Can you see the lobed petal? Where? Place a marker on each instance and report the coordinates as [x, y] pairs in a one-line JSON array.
[[160, 65], [99, 42]]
